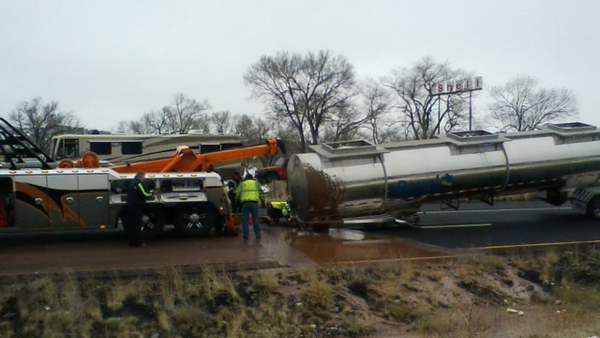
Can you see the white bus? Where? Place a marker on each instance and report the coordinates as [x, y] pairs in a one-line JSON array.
[[117, 149]]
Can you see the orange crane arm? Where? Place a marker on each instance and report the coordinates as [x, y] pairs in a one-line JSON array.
[[185, 160]]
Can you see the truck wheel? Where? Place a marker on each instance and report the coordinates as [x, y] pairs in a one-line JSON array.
[[195, 220], [555, 197], [270, 177], [593, 208], [153, 222], [219, 229]]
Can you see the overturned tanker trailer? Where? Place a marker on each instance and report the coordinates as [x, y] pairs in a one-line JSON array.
[[356, 182]]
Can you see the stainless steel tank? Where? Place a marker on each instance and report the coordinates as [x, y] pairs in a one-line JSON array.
[[345, 180]]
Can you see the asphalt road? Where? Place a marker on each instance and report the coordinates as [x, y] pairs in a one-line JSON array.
[[108, 253], [505, 224], [476, 225]]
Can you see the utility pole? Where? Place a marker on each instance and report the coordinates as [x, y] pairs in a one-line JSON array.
[[470, 110], [439, 117]]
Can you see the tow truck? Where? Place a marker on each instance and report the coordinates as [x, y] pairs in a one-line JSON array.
[[37, 194]]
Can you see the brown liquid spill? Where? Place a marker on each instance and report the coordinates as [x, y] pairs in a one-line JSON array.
[[345, 246], [325, 194]]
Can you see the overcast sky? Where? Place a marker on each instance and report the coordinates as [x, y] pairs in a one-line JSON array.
[[108, 61]]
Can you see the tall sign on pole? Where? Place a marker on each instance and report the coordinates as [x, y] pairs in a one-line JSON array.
[[460, 86]]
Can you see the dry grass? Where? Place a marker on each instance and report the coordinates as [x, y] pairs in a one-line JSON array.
[[201, 305], [318, 294], [265, 284], [465, 321], [458, 298]]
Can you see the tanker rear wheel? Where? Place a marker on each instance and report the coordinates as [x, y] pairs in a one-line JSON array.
[[593, 208], [555, 197], [194, 220]]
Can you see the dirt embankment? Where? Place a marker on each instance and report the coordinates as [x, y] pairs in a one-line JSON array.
[[557, 293]]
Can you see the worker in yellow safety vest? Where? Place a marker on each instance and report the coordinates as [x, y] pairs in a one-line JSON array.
[[249, 194], [277, 210]]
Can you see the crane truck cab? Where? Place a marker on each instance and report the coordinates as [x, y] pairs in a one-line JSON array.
[[278, 171]]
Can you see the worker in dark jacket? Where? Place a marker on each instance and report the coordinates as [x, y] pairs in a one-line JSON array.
[[136, 199], [249, 195], [232, 184]]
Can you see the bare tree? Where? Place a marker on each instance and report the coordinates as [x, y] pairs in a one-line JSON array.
[[376, 101], [184, 113], [519, 105], [264, 129], [154, 122], [418, 105], [388, 130], [124, 126], [203, 123], [287, 133], [350, 120], [40, 122], [243, 126], [222, 122], [139, 127], [343, 126], [305, 90]]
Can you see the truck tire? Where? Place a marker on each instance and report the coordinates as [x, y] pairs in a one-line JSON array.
[[153, 222], [195, 220], [555, 197], [593, 208]]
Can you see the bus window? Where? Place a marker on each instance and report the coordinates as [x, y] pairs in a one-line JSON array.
[[209, 148], [71, 149], [101, 148], [56, 149], [227, 146], [52, 150], [131, 148]]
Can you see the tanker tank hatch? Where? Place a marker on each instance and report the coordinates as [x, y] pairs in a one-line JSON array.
[[572, 132], [569, 127]]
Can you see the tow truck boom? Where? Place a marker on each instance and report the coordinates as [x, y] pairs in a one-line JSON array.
[[184, 159]]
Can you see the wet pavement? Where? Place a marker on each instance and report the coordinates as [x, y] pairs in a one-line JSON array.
[[287, 246], [109, 252], [105, 252], [340, 246]]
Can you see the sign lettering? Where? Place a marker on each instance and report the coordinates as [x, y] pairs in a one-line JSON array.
[[458, 86]]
